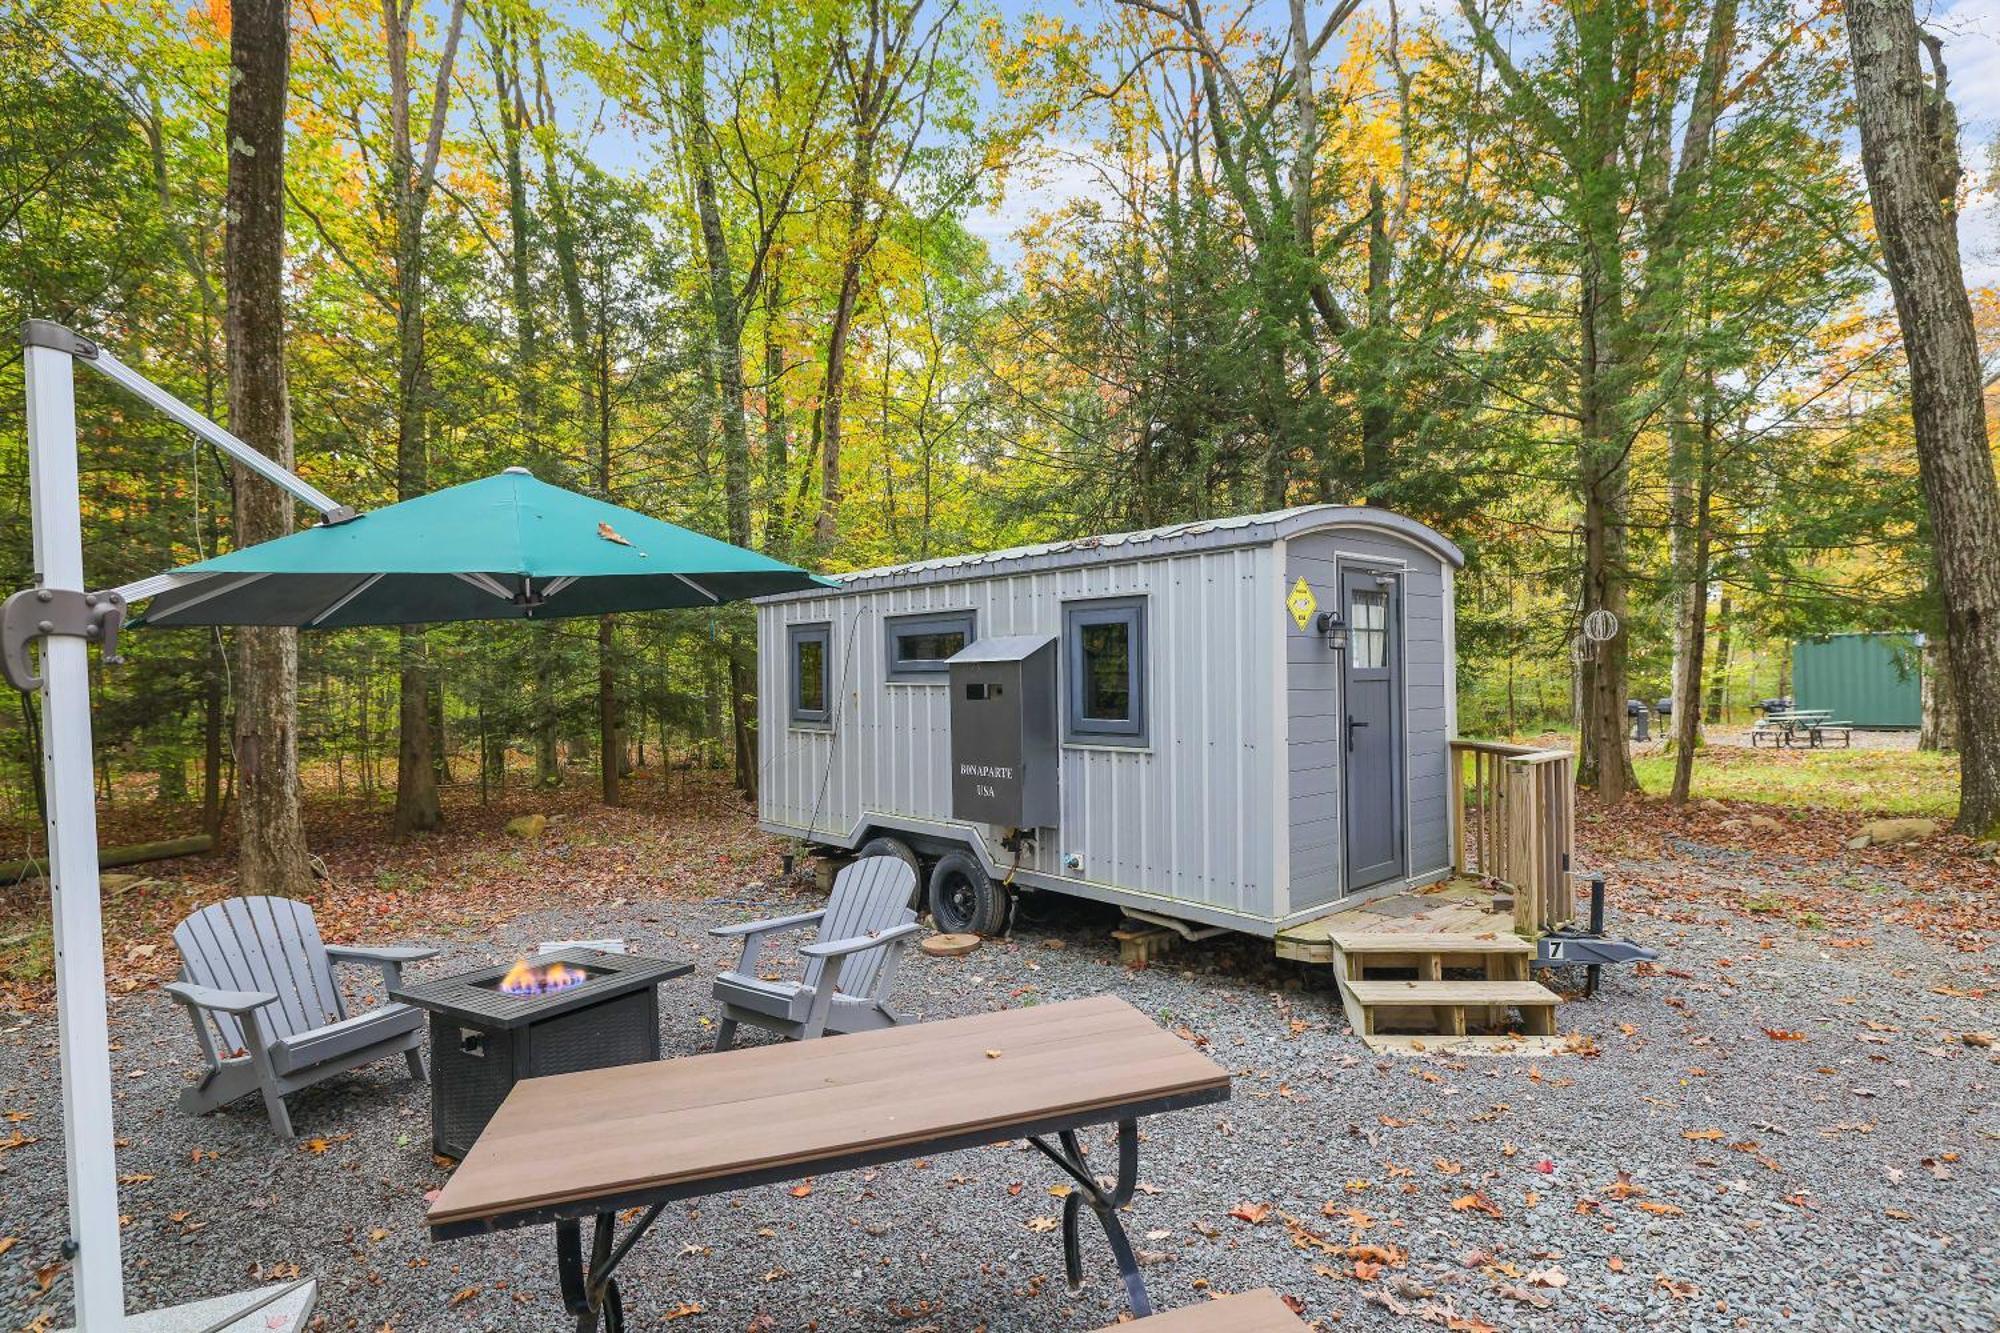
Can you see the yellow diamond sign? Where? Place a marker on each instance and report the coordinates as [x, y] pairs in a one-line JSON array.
[[1301, 603]]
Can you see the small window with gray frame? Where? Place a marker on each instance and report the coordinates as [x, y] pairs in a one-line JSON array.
[[1104, 660], [809, 657], [921, 646]]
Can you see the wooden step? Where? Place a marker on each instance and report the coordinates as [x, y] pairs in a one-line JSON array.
[[1518, 994], [1384, 942], [1440, 1007]]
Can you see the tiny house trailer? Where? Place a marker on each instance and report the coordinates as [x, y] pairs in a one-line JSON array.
[[1242, 723]]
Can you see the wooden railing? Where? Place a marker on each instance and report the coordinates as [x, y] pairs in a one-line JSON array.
[[1513, 819]]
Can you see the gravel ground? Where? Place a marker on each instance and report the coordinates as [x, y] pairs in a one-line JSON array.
[[1693, 1171]]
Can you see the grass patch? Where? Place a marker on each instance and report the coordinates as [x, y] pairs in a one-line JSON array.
[[1898, 782]]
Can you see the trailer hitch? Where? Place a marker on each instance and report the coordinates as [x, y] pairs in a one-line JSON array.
[[1589, 947]]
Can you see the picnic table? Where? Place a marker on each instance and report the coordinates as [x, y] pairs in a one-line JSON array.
[[1800, 725], [593, 1144]]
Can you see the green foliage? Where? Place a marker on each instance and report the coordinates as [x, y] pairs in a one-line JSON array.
[[1226, 288]]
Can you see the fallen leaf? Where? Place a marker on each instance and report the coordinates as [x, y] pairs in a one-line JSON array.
[[610, 534], [1476, 1202], [1253, 1213]]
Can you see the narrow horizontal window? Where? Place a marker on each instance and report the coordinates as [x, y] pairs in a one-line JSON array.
[[920, 647], [1104, 658], [811, 687]]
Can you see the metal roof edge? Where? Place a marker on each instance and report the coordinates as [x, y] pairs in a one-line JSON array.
[[1144, 544]]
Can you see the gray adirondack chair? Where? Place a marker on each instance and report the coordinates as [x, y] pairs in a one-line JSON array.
[[844, 986], [258, 983]]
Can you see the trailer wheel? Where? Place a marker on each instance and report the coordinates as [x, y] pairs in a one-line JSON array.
[[902, 851], [964, 898]]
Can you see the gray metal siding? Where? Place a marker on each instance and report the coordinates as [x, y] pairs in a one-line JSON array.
[[1313, 711], [1190, 816]]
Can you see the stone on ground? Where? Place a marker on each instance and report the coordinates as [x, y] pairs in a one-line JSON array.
[[527, 827], [1886, 832]]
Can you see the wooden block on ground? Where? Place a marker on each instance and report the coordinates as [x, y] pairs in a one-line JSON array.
[[1136, 948], [949, 945]]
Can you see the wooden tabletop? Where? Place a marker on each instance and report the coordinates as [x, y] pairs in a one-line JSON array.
[[603, 1139], [1252, 1312]]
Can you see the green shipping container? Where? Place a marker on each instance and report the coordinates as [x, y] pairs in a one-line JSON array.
[[1870, 680]]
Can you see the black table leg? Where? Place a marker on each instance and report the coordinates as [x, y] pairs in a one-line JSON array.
[[591, 1294], [1105, 1204]]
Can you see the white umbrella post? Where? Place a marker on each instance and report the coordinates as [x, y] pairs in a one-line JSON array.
[[64, 618], [72, 830]]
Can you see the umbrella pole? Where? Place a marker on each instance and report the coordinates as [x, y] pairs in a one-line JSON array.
[[88, 1138], [63, 618]]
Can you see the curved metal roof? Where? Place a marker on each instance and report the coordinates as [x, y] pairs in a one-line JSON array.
[[1148, 543]]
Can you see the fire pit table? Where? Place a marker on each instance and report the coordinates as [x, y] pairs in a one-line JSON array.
[[560, 1013]]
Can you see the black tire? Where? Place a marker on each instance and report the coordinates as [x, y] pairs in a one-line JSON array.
[[964, 898], [902, 851]]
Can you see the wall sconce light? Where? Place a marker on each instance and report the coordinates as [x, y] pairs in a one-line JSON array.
[[1335, 630]]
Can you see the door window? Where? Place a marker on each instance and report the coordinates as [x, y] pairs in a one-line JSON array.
[[1368, 629]]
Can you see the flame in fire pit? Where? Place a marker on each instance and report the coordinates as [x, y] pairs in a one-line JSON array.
[[524, 979]]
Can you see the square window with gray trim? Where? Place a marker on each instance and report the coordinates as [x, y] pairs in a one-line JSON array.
[[919, 647], [810, 650], [1104, 660]]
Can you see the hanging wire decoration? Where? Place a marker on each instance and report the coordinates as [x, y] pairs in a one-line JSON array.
[[1581, 649], [1600, 626]]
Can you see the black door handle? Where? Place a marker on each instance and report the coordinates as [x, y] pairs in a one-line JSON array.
[[1351, 726]]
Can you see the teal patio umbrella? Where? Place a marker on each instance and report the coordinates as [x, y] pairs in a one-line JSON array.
[[507, 547]]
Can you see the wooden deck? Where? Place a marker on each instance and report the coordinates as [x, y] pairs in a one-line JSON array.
[[1420, 971], [1458, 907]]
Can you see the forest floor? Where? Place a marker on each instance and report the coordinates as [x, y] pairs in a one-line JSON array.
[[1789, 1120]]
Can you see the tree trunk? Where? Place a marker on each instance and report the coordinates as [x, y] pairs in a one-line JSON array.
[[777, 421], [1909, 150], [214, 718], [1939, 728], [610, 752], [1691, 630], [548, 759], [1606, 759], [1718, 678], [411, 181], [271, 846], [417, 807]]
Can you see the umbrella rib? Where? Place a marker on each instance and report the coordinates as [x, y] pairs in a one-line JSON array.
[[487, 583], [554, 586], [345, 598], [140, 589], [698, 588], [230, 586]]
